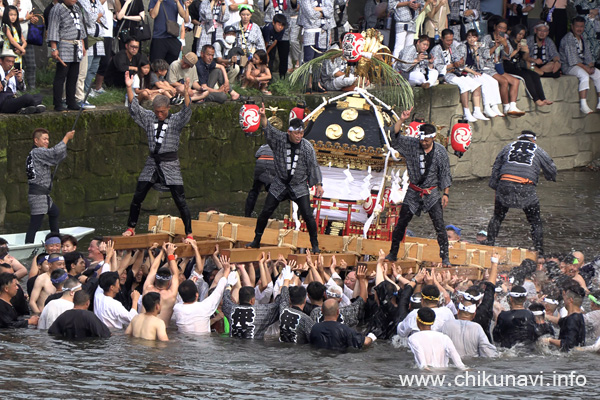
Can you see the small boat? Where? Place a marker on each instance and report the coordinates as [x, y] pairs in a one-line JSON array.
[[22, 251]]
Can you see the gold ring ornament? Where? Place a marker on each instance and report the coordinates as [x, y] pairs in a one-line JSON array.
[[349, 114], [356, 134], [334, 132]]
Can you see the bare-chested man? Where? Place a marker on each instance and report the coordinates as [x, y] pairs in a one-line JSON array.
[[148, 325], [43, 285], [164, 281]]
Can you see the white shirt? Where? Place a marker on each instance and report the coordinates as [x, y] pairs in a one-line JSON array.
[[12, 82], [433, 349], [409, 325], [53, 311], [111, 311], [195, 317], [469, 339], [263, 297]]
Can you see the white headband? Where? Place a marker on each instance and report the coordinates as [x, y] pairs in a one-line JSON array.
[[517, 294], [551, 301], [470, 309], [498, 289], [538, 313], [333, 294], [415, 299], [470, 297], [300, 128], [424, 136], [72, 289]]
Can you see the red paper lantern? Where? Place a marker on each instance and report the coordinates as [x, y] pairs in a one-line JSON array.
[[460, 138], [352, 46], [413, 129], [298, 112], [369, 203], [249, 118]]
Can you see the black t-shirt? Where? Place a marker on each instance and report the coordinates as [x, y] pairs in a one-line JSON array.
[[204, 70], [9, 318], [194, 10], [53, 296], [120, 63], [134, 9], [333, 335], [270, 35], [78, 324], [572, 331], [515, 326], [485, 310], [19, 302]]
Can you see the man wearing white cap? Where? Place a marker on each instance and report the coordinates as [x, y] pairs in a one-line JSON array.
[[11, 82]]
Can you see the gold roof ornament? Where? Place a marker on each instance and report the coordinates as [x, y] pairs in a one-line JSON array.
[[349, 114], [334, 132], [356, 134]]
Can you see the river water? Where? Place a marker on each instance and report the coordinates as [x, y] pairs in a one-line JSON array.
[[32, 365]]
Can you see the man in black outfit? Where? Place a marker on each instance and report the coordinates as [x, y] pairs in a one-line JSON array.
[[129, 59], [79, 323], [9, 318], [333, 335], [517, 325]]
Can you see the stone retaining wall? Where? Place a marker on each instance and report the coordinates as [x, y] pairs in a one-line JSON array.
[[99, 175]]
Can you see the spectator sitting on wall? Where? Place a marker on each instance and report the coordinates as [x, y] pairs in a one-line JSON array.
[[211, 74], [333, 75], [257, 73], [179, 70], [12, 82], [158, 79], [226, 54]]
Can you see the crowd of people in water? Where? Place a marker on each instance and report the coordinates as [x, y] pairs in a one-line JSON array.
[[153, 294]]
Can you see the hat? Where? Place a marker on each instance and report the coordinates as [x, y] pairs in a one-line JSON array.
[[191, 58], [453, 228], [229, 29], [7, 53]]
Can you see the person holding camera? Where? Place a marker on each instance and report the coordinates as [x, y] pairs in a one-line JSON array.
[[420, 70], [463, 16], [227, 54], [518, 63], [11, 81]]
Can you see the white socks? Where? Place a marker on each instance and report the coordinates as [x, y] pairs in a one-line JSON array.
[[583, 106], [468, 116], [496, 110], [477, 114], [487, 110]]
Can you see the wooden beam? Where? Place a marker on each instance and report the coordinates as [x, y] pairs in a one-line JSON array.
[[142, 241], [205, 247], [349, 258], [251, 255]]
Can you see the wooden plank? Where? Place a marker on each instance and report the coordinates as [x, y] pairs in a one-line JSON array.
[[429, 250], [142, 241], [406, 266], [250, 255], [165, 225], [205, 247], [349, 258], [216, 217]]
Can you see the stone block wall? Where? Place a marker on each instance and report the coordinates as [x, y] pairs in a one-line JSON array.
[[571, 138], [108, 152]]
